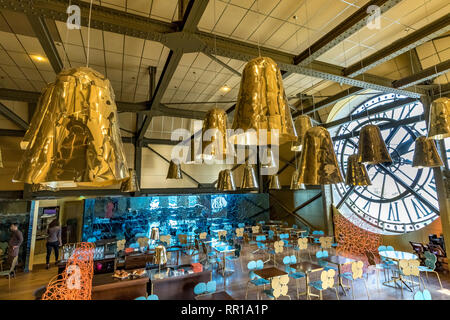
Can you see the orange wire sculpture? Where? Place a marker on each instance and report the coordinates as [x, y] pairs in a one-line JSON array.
[[352, 240], [75, 283]]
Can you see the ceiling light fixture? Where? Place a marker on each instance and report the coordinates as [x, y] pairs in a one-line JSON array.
[[225, 89]]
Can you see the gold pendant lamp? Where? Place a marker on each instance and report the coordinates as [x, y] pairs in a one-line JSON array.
[[295, 185], [356, 172], [425, 154], [439, 124], [302, 124], [226, 181], [74, 138], [131, 184], [371, 148], [269, 161], [249, 180], [318, 163], [174, 171], [274, 182], [262, 105], [214, 133]]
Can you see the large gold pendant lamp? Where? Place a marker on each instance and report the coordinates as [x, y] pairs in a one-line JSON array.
[[130, 184], [425, 154], [226, 181], [274, 182], [318, 163], [249, 179], [214, 133], [262, 105], [302, 124], [74, 138], [356, 172], [371, 148], [439, 124], [174, 171]]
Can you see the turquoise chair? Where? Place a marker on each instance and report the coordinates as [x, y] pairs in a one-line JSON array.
[[255, 279], [271, 234], [423, 295], [150, 297], [316, 239], [320, 255], [285, 237], [430, 265], [205, 288], [386, 261], [241, 225]]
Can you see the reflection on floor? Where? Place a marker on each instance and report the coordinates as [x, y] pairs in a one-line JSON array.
[[24, 285]]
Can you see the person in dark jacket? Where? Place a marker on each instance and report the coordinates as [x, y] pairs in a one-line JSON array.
[[14, 244], [53, 241]]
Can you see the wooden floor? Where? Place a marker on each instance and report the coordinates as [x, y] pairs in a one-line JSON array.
[[24, 285]]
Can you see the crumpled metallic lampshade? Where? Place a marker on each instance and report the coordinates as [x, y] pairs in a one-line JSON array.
[[274, 182], [174, 171], [154, 235], [42, 187], [356, 172], [160, 255], [371, 148], [249, 179], [262, 104], [318, 163], [74, 138], [216, 121], [226, 181], [302, 124], [425, 154], [295, 185], [439, 124], [130, 184], [269, 161]]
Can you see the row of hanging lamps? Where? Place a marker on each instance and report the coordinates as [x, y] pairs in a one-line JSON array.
[[262, 104], [318, 163], [226, 181], [249, 179], [356, 172], [74, 138], [174, 171], [274, 183], [302, 124], [439, 122], [130, 184], [371, 148], [215, 130], [425, 154]]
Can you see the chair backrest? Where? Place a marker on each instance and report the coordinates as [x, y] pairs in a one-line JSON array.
[[239, 232], [271, 233], [153, 297], [325, 242], [260, 238], [205, 288], [321, 254], [417, 247], [284, 236], [255, 229], [262, 222], [254, 265], [390, 248], [327, 278], [279, 286], [423, 295], [302, 243], [202, 235], [382, 248], [120, 244], [430, 260], [287, 260], [357, 269], [222, 234], [241, 225], [166, 238], [278, 246], [318, 232], [143, 241], [409, 267]]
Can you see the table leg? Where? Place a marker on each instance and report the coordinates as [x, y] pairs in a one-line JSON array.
[[341, 283]]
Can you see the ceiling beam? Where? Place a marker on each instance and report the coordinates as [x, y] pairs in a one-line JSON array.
[[400, 46], [12, 116], [423, 75], [46, 41], [345, 29], [11, 133], [193, 14]]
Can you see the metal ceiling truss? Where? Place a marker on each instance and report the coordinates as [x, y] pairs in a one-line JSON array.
[[423, 75], [12, 116]]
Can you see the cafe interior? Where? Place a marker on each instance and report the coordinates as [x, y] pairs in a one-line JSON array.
[[224, 149]]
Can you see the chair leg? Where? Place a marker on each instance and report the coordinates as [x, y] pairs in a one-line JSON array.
[[367, 289], [353, 290], [337, 294], [439, 279], [320, 295], [246, 291], [378, 279]]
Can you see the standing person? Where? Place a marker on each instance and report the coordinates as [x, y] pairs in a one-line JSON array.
[[14, 244], [53, 241]]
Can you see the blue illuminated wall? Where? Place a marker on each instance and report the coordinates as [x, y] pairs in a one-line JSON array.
[[122, 217]]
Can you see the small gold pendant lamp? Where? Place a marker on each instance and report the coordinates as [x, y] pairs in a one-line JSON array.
[[425, 154], [439, 124], [371, 148], [356, 172], [302, 124]]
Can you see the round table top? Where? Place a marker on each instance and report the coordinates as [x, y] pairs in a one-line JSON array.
[[397, 255]]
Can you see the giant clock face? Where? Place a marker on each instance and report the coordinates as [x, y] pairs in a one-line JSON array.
[[401, 198]]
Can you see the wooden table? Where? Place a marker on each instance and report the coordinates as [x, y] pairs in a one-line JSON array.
[[340, 261], [106, 287], [221, 295], [269, 273], [307, 268]]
